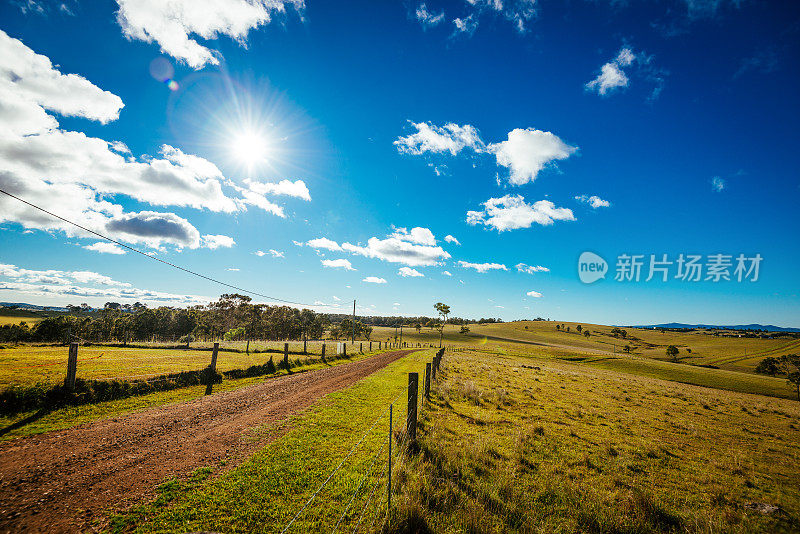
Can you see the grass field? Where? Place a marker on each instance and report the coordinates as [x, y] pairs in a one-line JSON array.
[[514, 444], [7, 319], [27, 364], [68, 416], [732, 353], [511, 444]]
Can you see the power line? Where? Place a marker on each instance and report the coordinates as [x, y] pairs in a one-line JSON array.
[[158, 259]]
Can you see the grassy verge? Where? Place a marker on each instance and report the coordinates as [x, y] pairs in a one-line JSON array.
[[69, 416], [264, 493], [512, 445]]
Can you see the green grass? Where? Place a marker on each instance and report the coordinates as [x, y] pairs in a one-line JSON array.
[[265, 492], [27, 364], [16, 319], [513, 445], [70, 416]]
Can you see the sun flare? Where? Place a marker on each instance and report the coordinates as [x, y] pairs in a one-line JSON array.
[[249, 147]]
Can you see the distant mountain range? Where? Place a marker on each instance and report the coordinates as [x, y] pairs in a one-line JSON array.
[[30, 307], [766, 327]]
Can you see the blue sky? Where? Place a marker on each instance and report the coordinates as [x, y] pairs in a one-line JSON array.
[[351, 138]]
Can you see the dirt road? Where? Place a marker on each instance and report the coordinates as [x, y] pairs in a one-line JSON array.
[[63, 481]]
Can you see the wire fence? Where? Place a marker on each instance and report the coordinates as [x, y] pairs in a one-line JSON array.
[[365, 500]]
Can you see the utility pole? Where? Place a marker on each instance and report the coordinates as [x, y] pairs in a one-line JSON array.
[[401, 334], [354, 321]]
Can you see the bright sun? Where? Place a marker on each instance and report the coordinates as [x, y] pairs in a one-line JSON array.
[[249, 147]]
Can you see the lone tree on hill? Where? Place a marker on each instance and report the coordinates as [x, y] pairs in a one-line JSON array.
[[579, 328], [769, 366], [444, 311], [672, 352], [465, 329], [587, 333]]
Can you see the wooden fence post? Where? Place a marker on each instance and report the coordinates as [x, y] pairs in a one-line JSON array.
[[247, 350], [370, 346], [361, 347], [344, 349], [286, 356], [411, 421], [433, 369], [323, 352], [72, 366], [428, 381], [305, 346], [379, 345], [212, 369]]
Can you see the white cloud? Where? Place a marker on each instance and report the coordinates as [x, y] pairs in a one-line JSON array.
[[438, 139], [420, 236], [104, 247], [218, 241], [531, 269], [276, 253], [426, 18], [324, 242], [717, 184], [408, 271], [612, 76], [594, 201], [77, 176], [374, 280], [512, 212], [483, 267], [233, 269], [466, 26], [338, 264], [336, 298], [447, 273], [297, 189], [172, 23], [526, 152], [534, 294], [451, 239], [401, 248], [68, 285]]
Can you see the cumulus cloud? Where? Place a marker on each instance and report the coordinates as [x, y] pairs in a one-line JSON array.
[[526, 152], [218, 241], [483, 267], [271, 252], [414, 249], [325, 243], [531, 269], [447, 273], [77, 176], [374, 280], [426, 18], [450, 138], [173, 23], [717, 184], [451, 239], [418, 235], [409, 272], [104, 247], [534, 294], [511, 212], [338, 264], [297, 189], [594, 201], [67, 285]]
